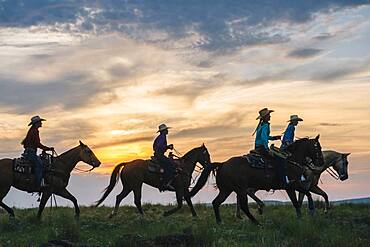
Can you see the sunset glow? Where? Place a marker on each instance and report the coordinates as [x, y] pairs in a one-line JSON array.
[[111, 81]]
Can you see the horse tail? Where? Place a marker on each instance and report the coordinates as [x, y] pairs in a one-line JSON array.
[[113, 181], [213, 167]]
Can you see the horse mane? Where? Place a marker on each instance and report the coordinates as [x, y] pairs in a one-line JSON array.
[[296, 143], [189, 153]]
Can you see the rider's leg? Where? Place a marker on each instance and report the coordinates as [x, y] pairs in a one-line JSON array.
[[168, 170], [32, 155]]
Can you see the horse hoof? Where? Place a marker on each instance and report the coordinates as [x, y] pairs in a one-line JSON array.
[[111, 215], [239, 216], [260, 211]]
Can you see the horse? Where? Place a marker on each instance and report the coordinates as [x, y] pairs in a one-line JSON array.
[[236, 175], [136, 172], [332, 159], [57, 177]]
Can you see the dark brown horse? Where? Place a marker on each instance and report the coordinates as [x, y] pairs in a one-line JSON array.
[[236, 175], [57, 179], [332, 159], [136, 172]]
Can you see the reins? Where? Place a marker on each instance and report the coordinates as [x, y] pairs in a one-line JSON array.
[[74, 168]]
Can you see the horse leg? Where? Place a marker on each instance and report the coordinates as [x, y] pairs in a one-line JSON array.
[[67, 195], [293, 198], [261, 205], [179, 196], [300, 198], [220, 198], [311, 204], [44, 199], [3, 193], [190, 203], [317, 190], [237, 211], [137, 199], [119, 198], [243, 198]]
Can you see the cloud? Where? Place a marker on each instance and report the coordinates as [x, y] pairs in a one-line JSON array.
[[330, 124], [219, 25], [70, 91], [304, 53]]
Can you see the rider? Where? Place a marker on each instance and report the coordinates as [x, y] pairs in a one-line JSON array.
[[31, 143], [288, 137], [263, 132], [160, 147], [262, 141]]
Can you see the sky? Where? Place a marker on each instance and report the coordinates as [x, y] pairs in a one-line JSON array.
[[108, 72]]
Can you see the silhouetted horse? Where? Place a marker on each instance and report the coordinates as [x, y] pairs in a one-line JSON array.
[[332, 159], [236, 175], [136, 172], [57, 178]]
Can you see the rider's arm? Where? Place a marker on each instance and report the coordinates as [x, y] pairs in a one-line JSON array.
[[38, 143]]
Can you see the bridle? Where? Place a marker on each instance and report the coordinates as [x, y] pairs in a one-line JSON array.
[[332, 172]]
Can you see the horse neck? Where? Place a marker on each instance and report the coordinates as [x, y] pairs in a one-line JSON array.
[[299, 154], [68, 160], [190, 161], [329, 158]]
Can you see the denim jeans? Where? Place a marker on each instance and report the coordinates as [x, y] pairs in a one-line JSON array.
[[31, 154]]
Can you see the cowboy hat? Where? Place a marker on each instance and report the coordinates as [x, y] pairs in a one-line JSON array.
[[295, 118], [36, 119], [163, 127], [264, 112]]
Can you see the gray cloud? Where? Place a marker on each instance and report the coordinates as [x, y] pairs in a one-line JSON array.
[[330, 124], [71, 91], [304, 53], [324, 36], [223, 26]]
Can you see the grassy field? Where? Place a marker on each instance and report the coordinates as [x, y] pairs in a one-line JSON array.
[[346, 225]]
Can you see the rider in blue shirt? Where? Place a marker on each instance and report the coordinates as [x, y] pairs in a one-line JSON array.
[[160, 147], [288, 137], [263, 132]]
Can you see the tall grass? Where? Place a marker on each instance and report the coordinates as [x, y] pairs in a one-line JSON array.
[[346, 225]]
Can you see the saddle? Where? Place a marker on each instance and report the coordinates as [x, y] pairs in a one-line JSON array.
[[256, 160], [154, 165], [24, 166]]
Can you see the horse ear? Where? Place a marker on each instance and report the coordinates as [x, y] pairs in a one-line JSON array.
[[81, 144], [346, 154], [203, 145], [317, 137]]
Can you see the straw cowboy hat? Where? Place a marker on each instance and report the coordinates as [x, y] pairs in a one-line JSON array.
[[264, 112], [36, 119], [295, 118], [163, 127]]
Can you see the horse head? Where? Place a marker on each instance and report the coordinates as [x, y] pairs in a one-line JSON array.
[[88, 156], [204, 158], [341, 166], [308, 149]]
